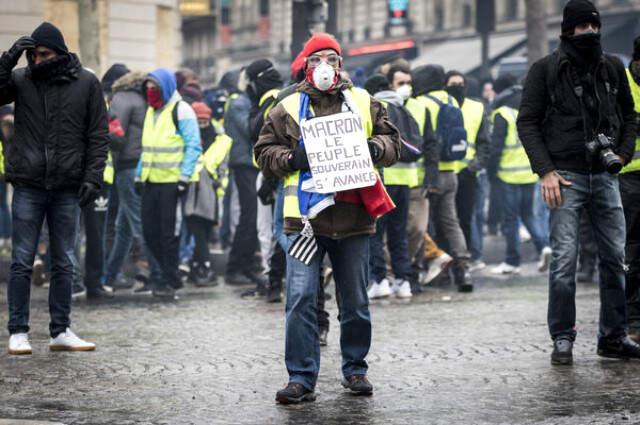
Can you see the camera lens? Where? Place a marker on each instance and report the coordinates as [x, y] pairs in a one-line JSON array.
[[611, 161]]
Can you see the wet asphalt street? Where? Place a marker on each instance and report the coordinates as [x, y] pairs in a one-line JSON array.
[[213, 358]]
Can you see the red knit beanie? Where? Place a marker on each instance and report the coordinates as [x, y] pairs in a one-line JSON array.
[[320, 41], [202, 110], [296, 66]]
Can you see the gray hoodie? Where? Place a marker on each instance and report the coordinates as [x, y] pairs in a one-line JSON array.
[[130, 107]]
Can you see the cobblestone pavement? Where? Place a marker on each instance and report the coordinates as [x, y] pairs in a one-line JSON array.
[[212, 358]]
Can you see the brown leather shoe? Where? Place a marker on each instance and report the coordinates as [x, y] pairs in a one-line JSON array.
[[358, 385]]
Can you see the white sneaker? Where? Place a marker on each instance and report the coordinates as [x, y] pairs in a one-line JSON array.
[[68, 341], [19, 344], [505, 268], [477, 265], [402, 289], [437, 266], [525, 236], [545, 259], [379, 290]]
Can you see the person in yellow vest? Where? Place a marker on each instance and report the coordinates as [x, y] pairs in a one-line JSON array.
[[630, 191], [207, 186], [170, 150], [429, 94], [397, 179], [341, 230], [469, 195], [510, 164]]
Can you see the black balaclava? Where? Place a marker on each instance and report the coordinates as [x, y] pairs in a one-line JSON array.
[[584, 50], [262, 77], [457, 92], [634, 66]]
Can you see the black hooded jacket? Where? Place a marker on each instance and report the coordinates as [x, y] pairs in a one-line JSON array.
[[552, 132], [61, 130]]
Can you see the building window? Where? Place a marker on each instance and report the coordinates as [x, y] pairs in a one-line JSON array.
[[466, 16], [439, 16]]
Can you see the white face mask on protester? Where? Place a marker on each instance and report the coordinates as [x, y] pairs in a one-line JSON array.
[[404, 91], [324, 76]]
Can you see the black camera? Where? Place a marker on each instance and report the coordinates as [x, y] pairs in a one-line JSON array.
[[602, 147]]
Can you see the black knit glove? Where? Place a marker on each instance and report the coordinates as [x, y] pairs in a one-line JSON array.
[[375, 152], [88, 193], [298, 160], [22, 44]]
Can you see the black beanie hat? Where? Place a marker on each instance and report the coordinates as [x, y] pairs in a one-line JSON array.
[[376, 83], [48, 35], [636, 49], [578, 12], [503, 82], [114, 72], [257, 67]]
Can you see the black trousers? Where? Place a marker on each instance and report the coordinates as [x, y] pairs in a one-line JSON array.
[[201, 229], [161, 222], [245, 241], [466, 201], [95, 216], [630, 191]]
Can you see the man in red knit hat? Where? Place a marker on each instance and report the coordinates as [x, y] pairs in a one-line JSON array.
[[340, 230]]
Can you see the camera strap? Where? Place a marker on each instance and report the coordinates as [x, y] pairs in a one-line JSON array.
[[578, 89]]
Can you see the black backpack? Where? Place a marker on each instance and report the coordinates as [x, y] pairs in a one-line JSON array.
[[412, 143]]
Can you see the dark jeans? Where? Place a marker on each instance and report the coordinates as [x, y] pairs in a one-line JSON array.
[[518, 207], [465, 202], [95, 226], [128, 225], [350, 261], [477, 220], [5, 214], [394, 224], [161, 222], [245, 241], [30, 207], [200, 228], [588, 250], [494, 215], [630, 191], [599, 194]]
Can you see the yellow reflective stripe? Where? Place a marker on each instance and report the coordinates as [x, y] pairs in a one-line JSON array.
[[634, 164], [158, 164], [162, 149]]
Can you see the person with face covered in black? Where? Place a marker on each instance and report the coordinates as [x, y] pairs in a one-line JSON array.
[[55, 162], [577, 125]]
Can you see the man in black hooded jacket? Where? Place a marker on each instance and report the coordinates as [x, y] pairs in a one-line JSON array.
[[55, 161], [569, 98]]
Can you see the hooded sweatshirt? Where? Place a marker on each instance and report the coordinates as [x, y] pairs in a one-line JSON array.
[[129, 106], [187, 126]]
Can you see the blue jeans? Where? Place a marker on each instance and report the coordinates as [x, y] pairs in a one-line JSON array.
[[350, 261], [518, 207], [394, 224], [5, 214], [477, 219], [599, 194], [128, 224], [30, 208]]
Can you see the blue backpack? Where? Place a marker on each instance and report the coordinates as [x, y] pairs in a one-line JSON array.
[[450, 131]]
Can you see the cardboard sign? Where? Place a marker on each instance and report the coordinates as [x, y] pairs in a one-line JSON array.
[[338, 154]]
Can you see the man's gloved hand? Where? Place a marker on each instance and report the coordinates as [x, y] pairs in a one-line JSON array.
[[298, 159], [182, 187], [22, 44], [139, 187], [267, 191], [88, 193], [375, 152], [215, 183]]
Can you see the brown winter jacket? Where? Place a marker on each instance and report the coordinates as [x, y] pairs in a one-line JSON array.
[[279, 137]]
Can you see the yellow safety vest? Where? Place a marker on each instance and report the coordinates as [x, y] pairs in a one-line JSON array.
[[514, 165], [1, 159], [271, 93], [229, 100], [162, 147], [401, 173], [213, 160], [473, 112], [109, 172], [291, 104], [634, 165], [418, 111]]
